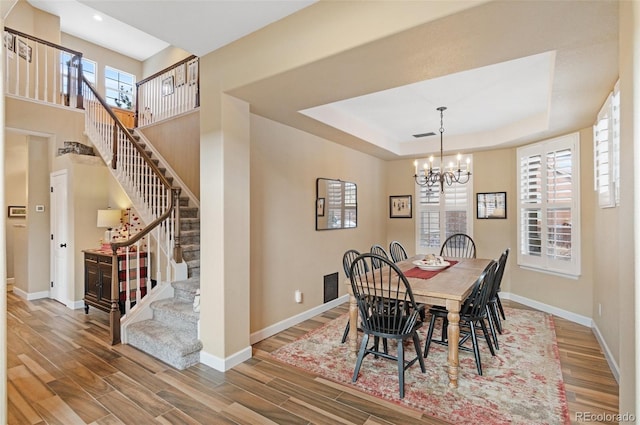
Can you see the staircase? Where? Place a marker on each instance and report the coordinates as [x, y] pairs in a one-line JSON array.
[[171, 335]]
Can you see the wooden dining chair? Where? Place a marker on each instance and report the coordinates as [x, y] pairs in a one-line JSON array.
[[347, 259], [397, 251], [495, 305], [378, 250], [458, 245], [387, 310], [472, 314]]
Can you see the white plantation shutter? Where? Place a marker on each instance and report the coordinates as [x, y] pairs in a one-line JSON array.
[[548, 200], [441, 215], [606, 151]]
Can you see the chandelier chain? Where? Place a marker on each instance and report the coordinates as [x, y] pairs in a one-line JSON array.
[[441, 176]]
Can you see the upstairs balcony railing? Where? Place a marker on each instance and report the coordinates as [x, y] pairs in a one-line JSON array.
[[39, 70], [168, 93]]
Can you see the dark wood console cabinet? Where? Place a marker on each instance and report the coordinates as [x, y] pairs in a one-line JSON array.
[[98, 278]]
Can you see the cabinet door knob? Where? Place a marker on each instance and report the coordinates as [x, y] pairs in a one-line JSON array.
[[63, 245]]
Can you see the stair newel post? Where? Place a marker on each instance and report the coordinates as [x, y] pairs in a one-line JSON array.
[[79, 79], [114, 148], [114, 313], [177, 249]]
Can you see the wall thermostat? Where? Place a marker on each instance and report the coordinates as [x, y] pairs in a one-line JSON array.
[[39, 208]]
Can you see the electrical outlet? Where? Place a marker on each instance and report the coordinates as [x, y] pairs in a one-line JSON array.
[[599, 309], [298, 296]]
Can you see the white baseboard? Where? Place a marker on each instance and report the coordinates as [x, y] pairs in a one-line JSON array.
[[615, 369], [572, 317], [75, 305], [292, 321], [30, 296], [223, 365], [242, 355]]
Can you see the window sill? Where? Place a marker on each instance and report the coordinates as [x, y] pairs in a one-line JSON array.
[[551, 272]]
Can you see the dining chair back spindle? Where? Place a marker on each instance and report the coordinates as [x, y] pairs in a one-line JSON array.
[[347, 259], [495, 305], [397, 251], [458, 245], [387, 310], [378, 250]]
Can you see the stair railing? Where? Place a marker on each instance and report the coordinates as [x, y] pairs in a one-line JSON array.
[[169, 92], [155, 199], [36, 69]]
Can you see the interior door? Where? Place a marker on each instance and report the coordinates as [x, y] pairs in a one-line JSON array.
[[59, 238]]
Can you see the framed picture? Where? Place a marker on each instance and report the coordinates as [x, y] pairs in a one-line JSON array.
[[24, 50], [167, 86], [320, 207], [181, 75], [17, 211], [491, 205], [192, 72], [400, 206], [9, 41]]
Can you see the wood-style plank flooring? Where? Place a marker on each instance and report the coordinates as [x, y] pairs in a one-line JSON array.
[[62, 371]]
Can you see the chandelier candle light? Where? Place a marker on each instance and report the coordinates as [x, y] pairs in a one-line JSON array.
[[429, 177]]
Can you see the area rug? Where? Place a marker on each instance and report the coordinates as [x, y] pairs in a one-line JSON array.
[[522, 384]]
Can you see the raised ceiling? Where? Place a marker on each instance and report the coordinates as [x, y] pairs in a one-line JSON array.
[[509, 72]]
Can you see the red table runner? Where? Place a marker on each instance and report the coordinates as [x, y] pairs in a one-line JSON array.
[[427, 274]]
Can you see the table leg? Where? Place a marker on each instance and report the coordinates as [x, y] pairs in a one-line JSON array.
[[453, 333], [353, 325]]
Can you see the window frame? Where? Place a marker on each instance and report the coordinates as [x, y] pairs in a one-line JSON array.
[[545, 261], [67, 56], [606, 151], [442, 207], [111, 101]]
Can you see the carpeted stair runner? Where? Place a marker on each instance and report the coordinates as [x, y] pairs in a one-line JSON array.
[[172, 334]]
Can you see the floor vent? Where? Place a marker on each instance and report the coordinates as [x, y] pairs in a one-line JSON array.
[[330, 287]]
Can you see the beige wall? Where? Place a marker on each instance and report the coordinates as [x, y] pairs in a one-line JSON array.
[[287, 253], [162, 60], [628, 222], [103, 57], [178, 141], [29, 20], [15, 186]]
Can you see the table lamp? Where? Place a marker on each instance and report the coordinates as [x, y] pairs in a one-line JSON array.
[[109, 219]]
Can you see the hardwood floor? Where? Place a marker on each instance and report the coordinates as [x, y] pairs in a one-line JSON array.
[[62, 371]]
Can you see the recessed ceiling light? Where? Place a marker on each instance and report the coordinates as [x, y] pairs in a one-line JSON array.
[[97, 18]]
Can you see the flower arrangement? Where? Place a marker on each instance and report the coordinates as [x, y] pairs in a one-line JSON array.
[[130, 225]]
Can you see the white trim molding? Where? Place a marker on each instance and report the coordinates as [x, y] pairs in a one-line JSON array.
[[294, 320], [30, 296], [223, 365], [572, 317]]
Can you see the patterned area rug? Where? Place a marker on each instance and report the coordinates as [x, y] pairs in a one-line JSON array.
[[522, 384]]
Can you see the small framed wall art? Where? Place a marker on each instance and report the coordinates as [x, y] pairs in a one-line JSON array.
[[400, 206], [17, 211], [491, 205]]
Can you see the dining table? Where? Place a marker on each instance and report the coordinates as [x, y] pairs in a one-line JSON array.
[[448, 287]]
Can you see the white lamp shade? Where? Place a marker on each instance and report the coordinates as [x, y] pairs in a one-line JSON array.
[[109, 218]]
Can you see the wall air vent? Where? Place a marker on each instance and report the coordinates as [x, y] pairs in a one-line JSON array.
[[431, 133]]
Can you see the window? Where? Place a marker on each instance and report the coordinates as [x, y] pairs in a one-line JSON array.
[[440, 215], [88, 70], [548, 205], [341, 204], [119, 87], [606, 151]]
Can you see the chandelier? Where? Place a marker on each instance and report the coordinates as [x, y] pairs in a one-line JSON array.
[[443, 176]]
